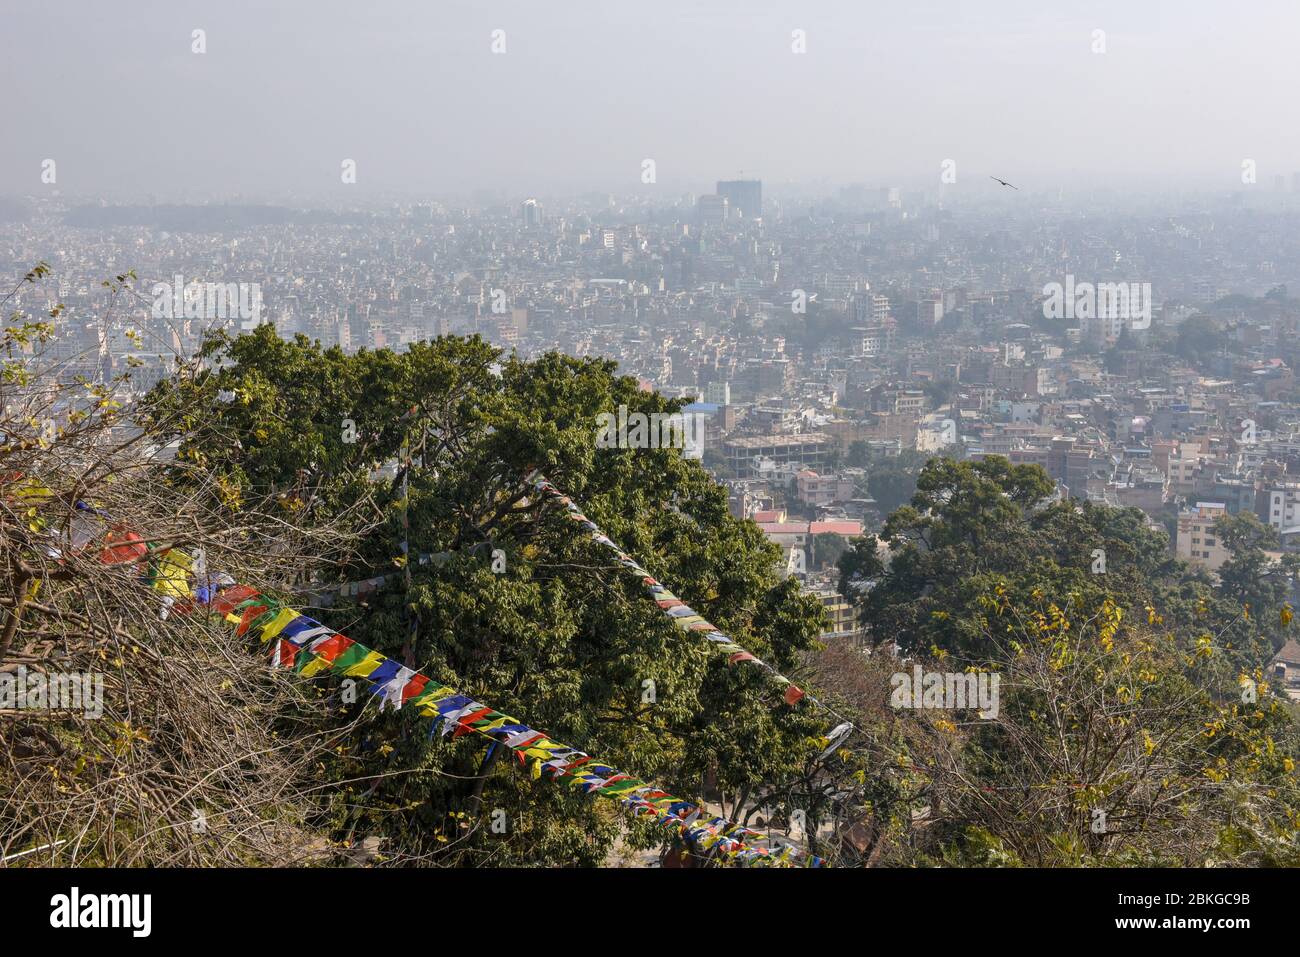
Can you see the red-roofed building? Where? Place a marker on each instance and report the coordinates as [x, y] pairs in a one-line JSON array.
[[796, 534], [786, 534], [847, 529]]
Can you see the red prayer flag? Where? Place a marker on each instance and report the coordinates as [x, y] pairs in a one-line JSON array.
[[228, 598], [414, 687], [288, 652], [124, 547], [251, 614], [331, 648]]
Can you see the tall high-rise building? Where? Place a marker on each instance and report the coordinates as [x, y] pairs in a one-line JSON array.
[[744, 196], [532, 214]]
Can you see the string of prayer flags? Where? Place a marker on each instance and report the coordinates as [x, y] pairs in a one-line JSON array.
[[359, 589], [310, 648], [681, 613], [306, 646]]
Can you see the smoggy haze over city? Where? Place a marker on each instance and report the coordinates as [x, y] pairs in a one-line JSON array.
[[586, 90]]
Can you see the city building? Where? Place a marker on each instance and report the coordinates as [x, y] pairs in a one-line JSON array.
[[1197, 539]]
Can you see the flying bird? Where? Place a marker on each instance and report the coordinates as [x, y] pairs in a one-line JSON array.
[[1004, 183]]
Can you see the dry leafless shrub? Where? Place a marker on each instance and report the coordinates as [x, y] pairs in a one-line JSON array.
[[194, 753]]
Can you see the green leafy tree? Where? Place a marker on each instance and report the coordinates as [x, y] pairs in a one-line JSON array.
[[891, 480], [1252, 579], [973, 526], [432, 447], [827, 549]]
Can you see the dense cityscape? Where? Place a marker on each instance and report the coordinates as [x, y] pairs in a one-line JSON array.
[[812, 339]]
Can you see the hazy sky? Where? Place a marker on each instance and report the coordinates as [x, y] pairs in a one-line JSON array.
[[587, 89]]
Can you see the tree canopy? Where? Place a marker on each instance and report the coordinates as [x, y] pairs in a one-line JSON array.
[[1132, 685], [437, 442]]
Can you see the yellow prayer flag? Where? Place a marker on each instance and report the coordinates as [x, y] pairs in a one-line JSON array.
[[314, 667], [278, 623], [427, 700], [172, 573], [366, 665]]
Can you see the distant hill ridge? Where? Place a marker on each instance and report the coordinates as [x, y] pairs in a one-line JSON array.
[[183, 218]]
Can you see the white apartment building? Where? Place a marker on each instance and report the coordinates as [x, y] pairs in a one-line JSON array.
[[1284, 507], [1197, 539]]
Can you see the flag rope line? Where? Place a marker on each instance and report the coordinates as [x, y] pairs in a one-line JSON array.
[[311, 648], [681, 613]]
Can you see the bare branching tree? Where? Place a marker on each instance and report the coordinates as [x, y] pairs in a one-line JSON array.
[[136, 726]]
